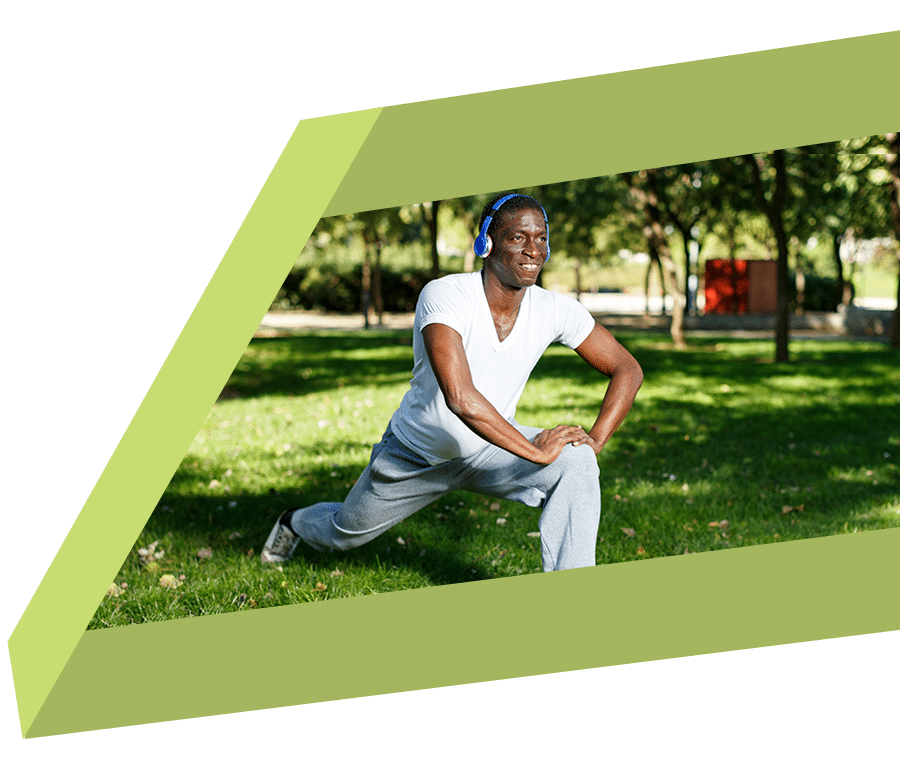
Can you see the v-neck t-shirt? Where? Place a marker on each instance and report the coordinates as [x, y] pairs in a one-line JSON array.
[[499, 369]]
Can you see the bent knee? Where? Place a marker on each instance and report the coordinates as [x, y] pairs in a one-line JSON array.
[[578, 459]]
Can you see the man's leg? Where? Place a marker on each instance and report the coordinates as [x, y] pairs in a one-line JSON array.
[[395, 484], [568, 489]]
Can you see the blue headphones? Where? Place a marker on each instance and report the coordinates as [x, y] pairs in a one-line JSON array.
[[483, 244]]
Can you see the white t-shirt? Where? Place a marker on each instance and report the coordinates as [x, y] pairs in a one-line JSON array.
[[499, 369]]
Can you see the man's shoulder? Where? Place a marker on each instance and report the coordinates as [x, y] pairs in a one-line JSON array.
[[463, 279], [449, 285]]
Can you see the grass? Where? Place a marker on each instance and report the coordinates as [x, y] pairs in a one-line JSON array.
[[722, 449]]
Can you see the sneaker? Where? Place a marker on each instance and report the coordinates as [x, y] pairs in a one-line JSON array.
[[282, 541]]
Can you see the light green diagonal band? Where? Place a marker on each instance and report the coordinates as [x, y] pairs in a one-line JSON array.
[[266, 245]]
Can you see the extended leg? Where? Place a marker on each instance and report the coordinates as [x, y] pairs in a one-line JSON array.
[[395, 484]]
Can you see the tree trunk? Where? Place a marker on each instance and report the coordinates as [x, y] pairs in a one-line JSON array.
[[376, 283], [773, 210], [662, 281], [647, 284], [782, 304], [577, 280], [366, 285], [666, 262], [893, 159], [840, 294], [431, 219]]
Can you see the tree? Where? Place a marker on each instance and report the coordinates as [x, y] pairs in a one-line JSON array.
[[377, 228], [468, 210], [429, 211], [646, 190], [770, 183], [577, 209], [893, 162], [689, 197]]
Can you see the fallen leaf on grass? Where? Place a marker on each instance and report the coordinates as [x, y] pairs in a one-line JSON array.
[[629, 532], [495, 507], [534, 534], [236, 534], [336, 573], [501, 521], [113, 590], [719, 524], [204, 553]]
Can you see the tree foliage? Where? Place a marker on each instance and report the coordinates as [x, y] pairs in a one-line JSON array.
[[772, 204]]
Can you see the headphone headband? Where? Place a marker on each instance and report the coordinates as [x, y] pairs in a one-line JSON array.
[[483, 246]]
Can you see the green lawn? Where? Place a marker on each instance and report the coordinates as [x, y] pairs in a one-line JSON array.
[[722, 449]]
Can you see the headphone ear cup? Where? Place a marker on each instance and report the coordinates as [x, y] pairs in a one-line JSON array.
[[483, 245]]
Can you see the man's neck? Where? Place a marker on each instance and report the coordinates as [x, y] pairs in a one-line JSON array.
[[503, 300]]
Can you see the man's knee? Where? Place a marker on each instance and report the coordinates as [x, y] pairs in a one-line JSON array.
[[581, 460], [576, 464]]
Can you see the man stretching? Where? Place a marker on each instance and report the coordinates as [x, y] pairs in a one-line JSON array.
[[476, 338]]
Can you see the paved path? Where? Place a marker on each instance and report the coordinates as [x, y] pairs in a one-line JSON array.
[[615, 310]]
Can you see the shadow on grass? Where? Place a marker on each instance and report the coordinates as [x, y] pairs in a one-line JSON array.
[[314, 362], [237, 522]]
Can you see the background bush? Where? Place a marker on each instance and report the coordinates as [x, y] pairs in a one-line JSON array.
[[333, 288]]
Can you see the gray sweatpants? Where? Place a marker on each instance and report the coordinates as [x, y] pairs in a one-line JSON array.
[[397, 482]]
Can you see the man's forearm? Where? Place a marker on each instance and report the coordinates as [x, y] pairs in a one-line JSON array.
[[620, 394], [483, 419]]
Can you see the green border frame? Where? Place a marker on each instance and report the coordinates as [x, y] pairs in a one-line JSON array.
[[868, 123]]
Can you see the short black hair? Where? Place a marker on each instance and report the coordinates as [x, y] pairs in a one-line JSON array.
[[514, 204]]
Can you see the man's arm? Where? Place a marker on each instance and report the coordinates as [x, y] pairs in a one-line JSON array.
[[605, 354], [447, 355]]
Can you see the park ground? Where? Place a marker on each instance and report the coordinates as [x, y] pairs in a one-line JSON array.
[[724, 449]]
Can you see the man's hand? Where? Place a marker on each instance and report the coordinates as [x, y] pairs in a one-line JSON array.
[[552, 442]]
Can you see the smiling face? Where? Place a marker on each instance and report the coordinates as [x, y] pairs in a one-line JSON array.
[[519, 249]]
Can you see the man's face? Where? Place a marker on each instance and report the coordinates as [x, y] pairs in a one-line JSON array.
[[520, 248]]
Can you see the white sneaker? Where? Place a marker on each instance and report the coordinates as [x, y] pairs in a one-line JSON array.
[[282, 541]]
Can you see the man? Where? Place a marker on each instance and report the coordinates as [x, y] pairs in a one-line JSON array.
[[476, 338]]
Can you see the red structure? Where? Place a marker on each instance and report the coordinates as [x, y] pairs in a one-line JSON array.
[[740, 286]]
